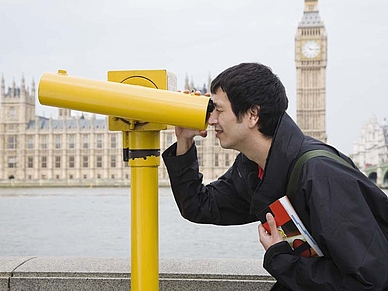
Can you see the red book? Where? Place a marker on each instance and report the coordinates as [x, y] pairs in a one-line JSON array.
[[291, 228]]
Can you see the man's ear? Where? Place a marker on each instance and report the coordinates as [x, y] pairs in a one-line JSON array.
[[253, 114]]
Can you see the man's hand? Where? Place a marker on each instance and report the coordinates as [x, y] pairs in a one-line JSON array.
[[269, 239], [185, 136]]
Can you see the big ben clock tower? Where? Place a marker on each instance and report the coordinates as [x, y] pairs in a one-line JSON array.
[[311, 60]]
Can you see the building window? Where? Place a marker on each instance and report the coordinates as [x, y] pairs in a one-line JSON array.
[[44, 162], [11, 162], [216, 142], [227, 161], [12, 142], [113, 141], [200, 160], [71, 161], [71, 141], [29, 177], [216, 162], [198, 142], [98, 176], [57, 161], [85, 176], [169, 139], [85, 141], [99, 161], [85, 161], [70, 176], [43, 142], [99, 141], [113, 161], [57, 141], [57, 177], [112, 176], [12, 113], [30, 142], [30, 162]]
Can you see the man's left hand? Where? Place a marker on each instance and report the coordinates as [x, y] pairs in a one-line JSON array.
[[268, 239]]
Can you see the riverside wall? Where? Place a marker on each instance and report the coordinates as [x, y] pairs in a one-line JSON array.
[[75, 273]]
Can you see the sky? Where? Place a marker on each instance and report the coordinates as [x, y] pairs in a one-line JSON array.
[[202, 38]]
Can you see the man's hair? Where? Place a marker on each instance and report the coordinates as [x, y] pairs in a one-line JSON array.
[[254, 85]]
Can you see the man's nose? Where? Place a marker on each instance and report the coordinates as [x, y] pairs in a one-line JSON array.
[[213, 118]]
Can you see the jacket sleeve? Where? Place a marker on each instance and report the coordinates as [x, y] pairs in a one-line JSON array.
[[354, 245], [216, 203]]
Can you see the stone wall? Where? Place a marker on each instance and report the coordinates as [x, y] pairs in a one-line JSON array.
[[64, 273]]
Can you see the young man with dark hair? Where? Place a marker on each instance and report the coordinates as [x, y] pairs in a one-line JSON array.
[[344, 211]]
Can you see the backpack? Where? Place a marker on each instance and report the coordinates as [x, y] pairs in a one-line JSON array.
[[294, 177], [381, 218]]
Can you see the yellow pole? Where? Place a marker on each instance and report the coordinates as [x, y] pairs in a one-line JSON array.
[[144, 161]]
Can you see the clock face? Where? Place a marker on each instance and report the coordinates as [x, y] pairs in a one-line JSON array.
[[311, 49]]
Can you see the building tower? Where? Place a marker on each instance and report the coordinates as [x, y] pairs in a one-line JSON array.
[[64, 113], [17, 108], [311, 60], [18, 105]]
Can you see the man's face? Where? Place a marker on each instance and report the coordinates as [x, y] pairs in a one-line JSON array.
[[229, 131]]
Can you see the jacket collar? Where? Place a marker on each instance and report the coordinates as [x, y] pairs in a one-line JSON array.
[[284, 150]]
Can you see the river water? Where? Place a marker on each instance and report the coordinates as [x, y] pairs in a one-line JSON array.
[[95, 222]]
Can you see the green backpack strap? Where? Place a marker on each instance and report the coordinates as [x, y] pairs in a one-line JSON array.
[[294, 177]]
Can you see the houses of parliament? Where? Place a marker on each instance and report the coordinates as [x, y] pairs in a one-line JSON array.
[[82, 151]]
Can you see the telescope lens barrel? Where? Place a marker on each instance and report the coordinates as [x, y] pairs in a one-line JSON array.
[[210, 109], [125, 101]]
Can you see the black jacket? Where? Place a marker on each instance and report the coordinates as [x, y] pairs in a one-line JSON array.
[[344, 211]]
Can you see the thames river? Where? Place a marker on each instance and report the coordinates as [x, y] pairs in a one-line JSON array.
[[95, 222]]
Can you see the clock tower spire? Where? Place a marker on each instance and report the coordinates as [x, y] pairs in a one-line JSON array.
[[311, 61], [310, 5]]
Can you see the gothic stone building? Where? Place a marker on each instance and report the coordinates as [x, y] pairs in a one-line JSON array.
[[370, 151]]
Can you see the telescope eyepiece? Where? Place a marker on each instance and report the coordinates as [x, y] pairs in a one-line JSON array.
[[210, 109], [210, 106]]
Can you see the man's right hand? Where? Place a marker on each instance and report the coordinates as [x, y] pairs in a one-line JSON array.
[[185, 138]]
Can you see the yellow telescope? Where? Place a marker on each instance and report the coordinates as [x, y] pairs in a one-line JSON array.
[[124, 100]]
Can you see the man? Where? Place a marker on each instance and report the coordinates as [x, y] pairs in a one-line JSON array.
[[345, 212]]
